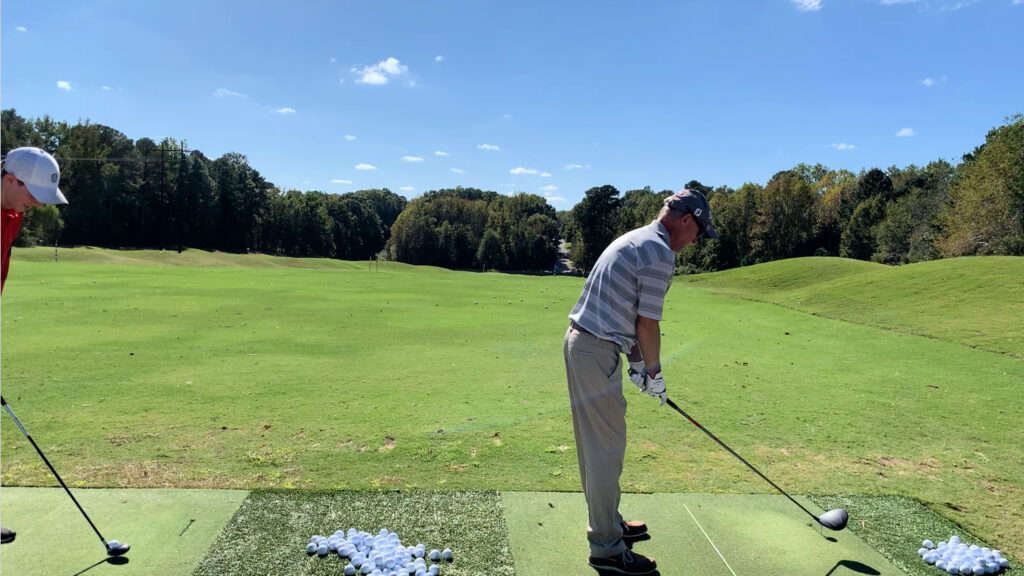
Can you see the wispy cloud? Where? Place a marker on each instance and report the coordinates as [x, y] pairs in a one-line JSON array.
[[285, 110], [105, 88], [333, 60], [842, 146], [440, 153], [365, 167], [521, 170], [23, 29], [64, 85], [927, 82], [906, 132], [379, 73], [458, 170], [225, 93], [549, 188], [808, 5], [1015, 2], [349, 137], [488, 147], [576, 166], [891, 2], [412, 159], [407, 189], [439, 58], [545, 175], [339, 181]]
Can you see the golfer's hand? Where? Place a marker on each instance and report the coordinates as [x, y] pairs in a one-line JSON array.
[[654, 385], [636, 373]]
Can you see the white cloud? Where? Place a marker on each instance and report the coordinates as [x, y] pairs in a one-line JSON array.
[[545, 175], [365, 167], [412, 159], [488, 147], [410, 83], [407, 189], [64, 85], [891, 2], [224, 93], [550, 188], [808, 5], [842, 146], [440, 153], [1015, 2], [573, 166], [333, 60], [23, 29], [339, 181], [458, 170], [521, 170], [378, 73], [349, 137], [105, 88], [927, 82], [439, 58], [906, 132], [285, 110]]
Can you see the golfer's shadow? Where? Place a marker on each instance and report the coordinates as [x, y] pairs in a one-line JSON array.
[[616, 573], [854, 566], [115, 560]]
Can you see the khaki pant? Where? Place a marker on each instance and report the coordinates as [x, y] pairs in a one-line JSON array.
[[594, 370]]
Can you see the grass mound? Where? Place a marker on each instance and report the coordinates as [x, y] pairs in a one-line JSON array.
[[977, 302]]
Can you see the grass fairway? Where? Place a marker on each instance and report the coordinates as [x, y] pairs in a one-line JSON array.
[[168, 373]]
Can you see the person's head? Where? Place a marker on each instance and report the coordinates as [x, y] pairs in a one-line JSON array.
[[687, 217], [30, 177]]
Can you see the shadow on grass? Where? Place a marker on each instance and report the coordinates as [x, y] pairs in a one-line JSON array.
[[115, 560], [854, 567]]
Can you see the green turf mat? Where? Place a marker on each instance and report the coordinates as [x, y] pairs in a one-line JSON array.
[[168, 530], [269, 533], [762, 535]]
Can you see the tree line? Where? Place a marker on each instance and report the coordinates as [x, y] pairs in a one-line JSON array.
[[144, 194], [892, 216]]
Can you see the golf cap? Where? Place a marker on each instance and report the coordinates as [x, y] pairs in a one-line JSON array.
[[39, 171], [693, 202]]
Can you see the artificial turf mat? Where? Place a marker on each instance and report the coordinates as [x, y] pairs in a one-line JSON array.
[[168, 530], [270, 530], [760, 535]]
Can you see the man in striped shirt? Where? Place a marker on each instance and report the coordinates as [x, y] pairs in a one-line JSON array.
[[619, 311]]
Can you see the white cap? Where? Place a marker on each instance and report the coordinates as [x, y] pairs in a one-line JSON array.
[[39, 171]]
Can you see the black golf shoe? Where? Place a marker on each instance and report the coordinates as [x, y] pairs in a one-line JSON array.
[[7, 536], [634, 531], [625, 563]]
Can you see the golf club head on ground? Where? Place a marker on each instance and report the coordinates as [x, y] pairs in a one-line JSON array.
[[834, 519], [114, 548]]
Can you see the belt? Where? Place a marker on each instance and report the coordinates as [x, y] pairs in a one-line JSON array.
[[579, 328]]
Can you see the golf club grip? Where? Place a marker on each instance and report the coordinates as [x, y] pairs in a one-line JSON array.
[[740, 458]]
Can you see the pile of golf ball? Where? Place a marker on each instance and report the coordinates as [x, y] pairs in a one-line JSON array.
[[955, 557], [378, 555]]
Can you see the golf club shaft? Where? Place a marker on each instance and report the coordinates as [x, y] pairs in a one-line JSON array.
[[55, 475], [722, 444]]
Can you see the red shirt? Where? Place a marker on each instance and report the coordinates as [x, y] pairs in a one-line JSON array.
[[11, 225]]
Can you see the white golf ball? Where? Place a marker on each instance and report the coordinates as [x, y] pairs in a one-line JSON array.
[[928, 544], [435, 555], [446, 554], [311, 548], [366, 568], [350, 570], [434, 570], [321, 551]]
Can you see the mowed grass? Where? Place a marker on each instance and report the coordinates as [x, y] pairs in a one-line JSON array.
[[342, 377]]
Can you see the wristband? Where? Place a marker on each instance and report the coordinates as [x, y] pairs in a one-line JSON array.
[[656, 369]]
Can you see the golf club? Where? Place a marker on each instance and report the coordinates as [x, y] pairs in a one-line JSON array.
[[833, 519], [114, 548]]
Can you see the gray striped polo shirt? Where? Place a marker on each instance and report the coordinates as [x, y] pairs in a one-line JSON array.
[[629, 279]]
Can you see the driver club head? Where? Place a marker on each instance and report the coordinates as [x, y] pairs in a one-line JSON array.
[[834, 519], [114, 548]]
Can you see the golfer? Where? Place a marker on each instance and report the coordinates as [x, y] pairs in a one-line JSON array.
[[619, 312], [30, 178]]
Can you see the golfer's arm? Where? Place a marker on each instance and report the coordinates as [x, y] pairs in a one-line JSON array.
[[648, 335]]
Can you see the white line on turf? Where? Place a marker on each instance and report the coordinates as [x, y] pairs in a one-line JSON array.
[[709, 539]]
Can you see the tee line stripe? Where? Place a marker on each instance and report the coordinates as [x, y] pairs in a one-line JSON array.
[[709, 539]]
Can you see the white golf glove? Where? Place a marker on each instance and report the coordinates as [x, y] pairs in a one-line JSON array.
[[636, 373], [654, 385]]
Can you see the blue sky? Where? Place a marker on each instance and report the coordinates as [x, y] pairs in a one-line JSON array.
[[547, 97]]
